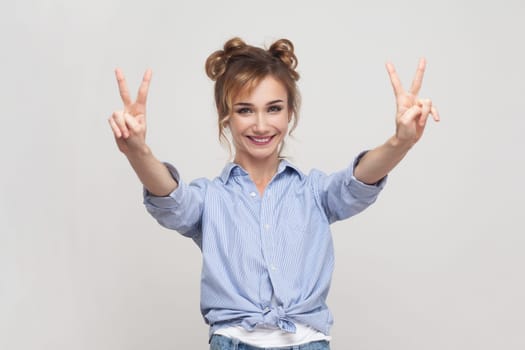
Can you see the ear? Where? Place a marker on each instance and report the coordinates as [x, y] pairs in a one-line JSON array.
[[225, 122]]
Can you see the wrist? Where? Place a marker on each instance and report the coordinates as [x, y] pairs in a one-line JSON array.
[[139, 151], [399, 144]]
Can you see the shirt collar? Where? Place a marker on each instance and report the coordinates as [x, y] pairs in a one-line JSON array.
[[232, 169]]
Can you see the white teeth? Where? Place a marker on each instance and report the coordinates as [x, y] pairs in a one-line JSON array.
[[266, 139]]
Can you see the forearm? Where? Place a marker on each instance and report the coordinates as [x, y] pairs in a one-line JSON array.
[[377, 163], [152, 173]]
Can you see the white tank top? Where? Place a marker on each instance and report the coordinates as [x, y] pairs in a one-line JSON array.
[[272, 338]]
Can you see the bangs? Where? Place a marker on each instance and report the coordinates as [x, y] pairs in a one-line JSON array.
[[240, 86]]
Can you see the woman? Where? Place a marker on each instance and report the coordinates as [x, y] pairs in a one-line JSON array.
[[263, 225]]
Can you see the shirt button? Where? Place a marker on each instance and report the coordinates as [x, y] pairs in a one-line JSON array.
[[253, 194], [266, 309], [273, 267], [266, 226]]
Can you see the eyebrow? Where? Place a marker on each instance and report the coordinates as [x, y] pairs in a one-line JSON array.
[[251, 104]]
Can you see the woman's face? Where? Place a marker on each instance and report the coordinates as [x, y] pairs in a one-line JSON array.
[[259, 122]]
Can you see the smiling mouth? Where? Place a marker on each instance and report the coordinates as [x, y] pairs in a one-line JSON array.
[[260, 141]]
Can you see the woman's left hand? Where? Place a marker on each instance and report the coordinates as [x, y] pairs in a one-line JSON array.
[[412, 111]]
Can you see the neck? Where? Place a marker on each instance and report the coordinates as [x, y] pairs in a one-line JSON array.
[[261, 171]]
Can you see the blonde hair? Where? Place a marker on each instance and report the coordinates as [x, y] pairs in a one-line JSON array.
[[238, 68]]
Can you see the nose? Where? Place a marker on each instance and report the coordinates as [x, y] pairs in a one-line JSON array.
[[261, 124]]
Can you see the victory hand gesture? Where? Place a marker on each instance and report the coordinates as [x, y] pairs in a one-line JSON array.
[[129, 124], [412, 112]]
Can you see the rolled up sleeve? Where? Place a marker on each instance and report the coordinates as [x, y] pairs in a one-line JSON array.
[[343, 195], [181, 210]]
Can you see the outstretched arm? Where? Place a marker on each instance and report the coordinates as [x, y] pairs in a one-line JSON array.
[[411, 118], [129, 129]]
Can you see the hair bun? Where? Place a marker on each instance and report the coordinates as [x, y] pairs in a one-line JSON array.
[[283, 49], [233, 45], [217, 61]]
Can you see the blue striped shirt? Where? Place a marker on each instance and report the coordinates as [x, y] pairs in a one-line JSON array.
[[267, 260]]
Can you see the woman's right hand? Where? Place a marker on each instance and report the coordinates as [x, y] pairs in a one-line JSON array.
[[129, 124]]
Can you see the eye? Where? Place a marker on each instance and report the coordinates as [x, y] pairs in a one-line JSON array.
[[275, 109], [244, 110]]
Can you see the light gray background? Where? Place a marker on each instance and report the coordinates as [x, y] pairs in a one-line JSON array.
[[436, 263]]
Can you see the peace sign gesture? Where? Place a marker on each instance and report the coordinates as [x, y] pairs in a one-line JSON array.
[[129, 124], [412, 112]]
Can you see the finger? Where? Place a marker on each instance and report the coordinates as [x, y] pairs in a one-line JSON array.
[[418, 79], [144, 87], [123, 87], [394, 79], [118, 118], [426, 105], [114, 127], [435, 114], [131, 121], [410, 115]]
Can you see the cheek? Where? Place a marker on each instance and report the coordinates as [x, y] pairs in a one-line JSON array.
[[237, 127], [287, 119], [284, 127]]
